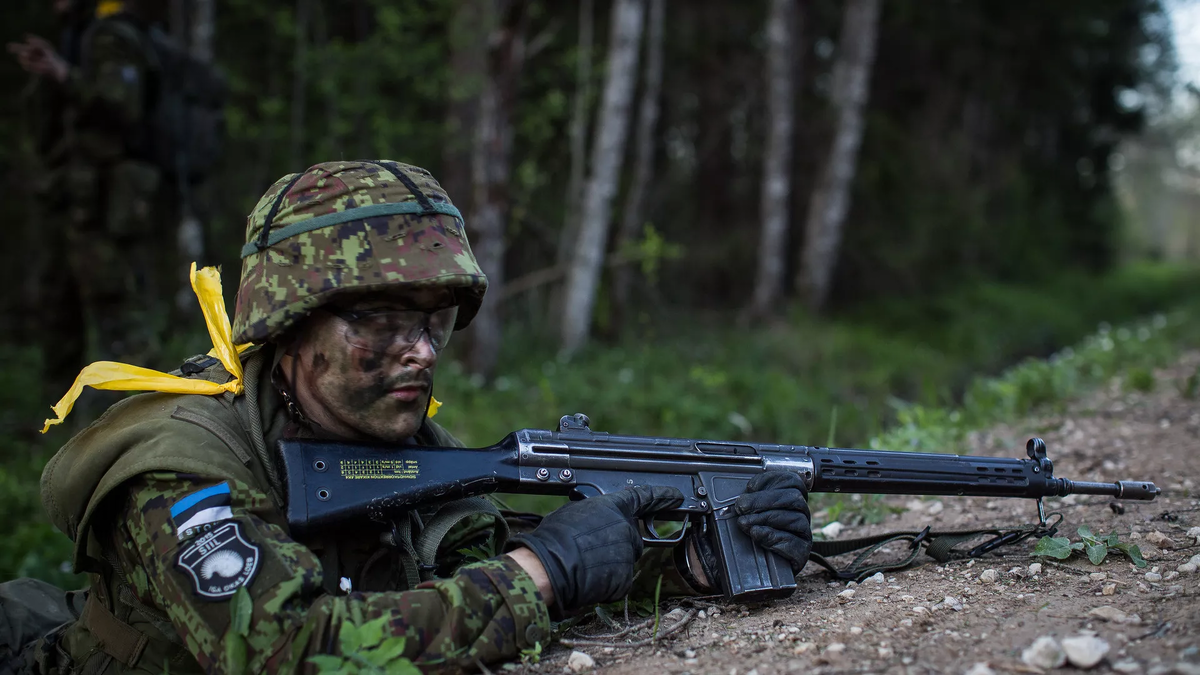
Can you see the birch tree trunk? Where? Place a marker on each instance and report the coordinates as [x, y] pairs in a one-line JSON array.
[[831, 196], [491, 163], [777, 156], [643, 169], [578, 135], [607, 150]]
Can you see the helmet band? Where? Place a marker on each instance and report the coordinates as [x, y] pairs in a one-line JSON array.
[[339, 217]]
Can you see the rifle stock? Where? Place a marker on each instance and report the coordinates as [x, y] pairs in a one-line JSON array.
[[331, 482]]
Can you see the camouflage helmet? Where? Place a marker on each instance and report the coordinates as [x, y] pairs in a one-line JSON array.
[[350, 226]]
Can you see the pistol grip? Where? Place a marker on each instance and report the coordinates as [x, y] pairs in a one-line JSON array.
[[748, 571]]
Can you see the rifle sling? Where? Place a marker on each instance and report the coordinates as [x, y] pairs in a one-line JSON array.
[[941, 546]]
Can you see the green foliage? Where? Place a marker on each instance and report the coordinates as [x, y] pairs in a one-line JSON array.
[[531, 655], [1190, 385], [366, 647], [241, 607], [1094, 547], [1139, 378]]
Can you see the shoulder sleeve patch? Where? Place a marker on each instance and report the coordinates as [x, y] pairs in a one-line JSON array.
[[199, 511], [219, 562]]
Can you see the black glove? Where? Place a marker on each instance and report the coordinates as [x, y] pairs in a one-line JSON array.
[[589, 547], [774, 513]]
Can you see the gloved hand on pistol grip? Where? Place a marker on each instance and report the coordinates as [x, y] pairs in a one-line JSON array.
[[589, 547], [773, 511]]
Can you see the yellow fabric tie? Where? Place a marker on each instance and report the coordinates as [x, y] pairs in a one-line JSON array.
[[124, 377], [107, 8]]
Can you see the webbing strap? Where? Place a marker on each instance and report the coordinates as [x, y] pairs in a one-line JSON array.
[[117, 638], [403, 538], [448, 517], [941, 546]]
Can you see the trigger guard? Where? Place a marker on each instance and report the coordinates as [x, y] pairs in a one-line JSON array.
[[654, 540]]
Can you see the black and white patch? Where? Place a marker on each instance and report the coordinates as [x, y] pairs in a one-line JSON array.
[[220, 562]]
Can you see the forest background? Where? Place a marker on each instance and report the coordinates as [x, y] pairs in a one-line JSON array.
[[789, 220]]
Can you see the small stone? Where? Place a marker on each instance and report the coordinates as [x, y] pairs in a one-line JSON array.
[[1127, 666], [1171, 575], [981, 668], [1035, 569], [907, 598], [1098, 576], [1153, 577], [1185, 668], [701, 615], [914, 505], [950, 602], [876, 578], [1186, 568], [1110, 613], [1160, 540], [832, 530], [856, 630], [935, 508], [835, 647], [886, 652], [579, 662], [987, 577], [845, 596], [919, 610], [1044, 653], [907, 623], [689, 653], [1109, 589], [1194, 533], [1084, 651], [1018, 572]]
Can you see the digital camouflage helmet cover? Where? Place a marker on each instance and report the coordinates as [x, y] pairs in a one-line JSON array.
[[350, 226]]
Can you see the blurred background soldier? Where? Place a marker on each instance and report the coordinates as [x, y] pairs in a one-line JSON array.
[[116, 146]]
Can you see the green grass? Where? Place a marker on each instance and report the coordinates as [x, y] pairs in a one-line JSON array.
[[914, 376]]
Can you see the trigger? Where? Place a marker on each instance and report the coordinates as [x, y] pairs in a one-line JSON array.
[[651, 533]]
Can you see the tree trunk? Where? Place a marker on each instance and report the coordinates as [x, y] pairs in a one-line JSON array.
[[578, 132], [203, 28], [490, 169], [607, 150], [468, 63], [196, 30], [299, 85], [644, 146], [331, 145], [777, 156], [831, 196]]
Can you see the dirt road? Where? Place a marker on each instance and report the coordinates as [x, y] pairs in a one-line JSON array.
[[952, 618]]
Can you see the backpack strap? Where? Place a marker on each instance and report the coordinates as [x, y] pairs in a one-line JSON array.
[[117, 638]]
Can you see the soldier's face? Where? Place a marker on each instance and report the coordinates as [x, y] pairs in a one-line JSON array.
[[358, 393]]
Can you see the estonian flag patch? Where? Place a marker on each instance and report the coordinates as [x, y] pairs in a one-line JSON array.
[[191, 514]]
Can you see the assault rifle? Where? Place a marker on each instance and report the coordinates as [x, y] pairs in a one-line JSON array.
[[331, 482]]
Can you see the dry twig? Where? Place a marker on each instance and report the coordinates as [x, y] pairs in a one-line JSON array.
[[666, 632]]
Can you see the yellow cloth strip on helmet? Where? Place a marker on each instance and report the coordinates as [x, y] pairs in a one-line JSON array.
[[107, 8], [124, 377]]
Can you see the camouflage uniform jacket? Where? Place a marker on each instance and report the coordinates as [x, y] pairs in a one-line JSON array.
[[175, 506]]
